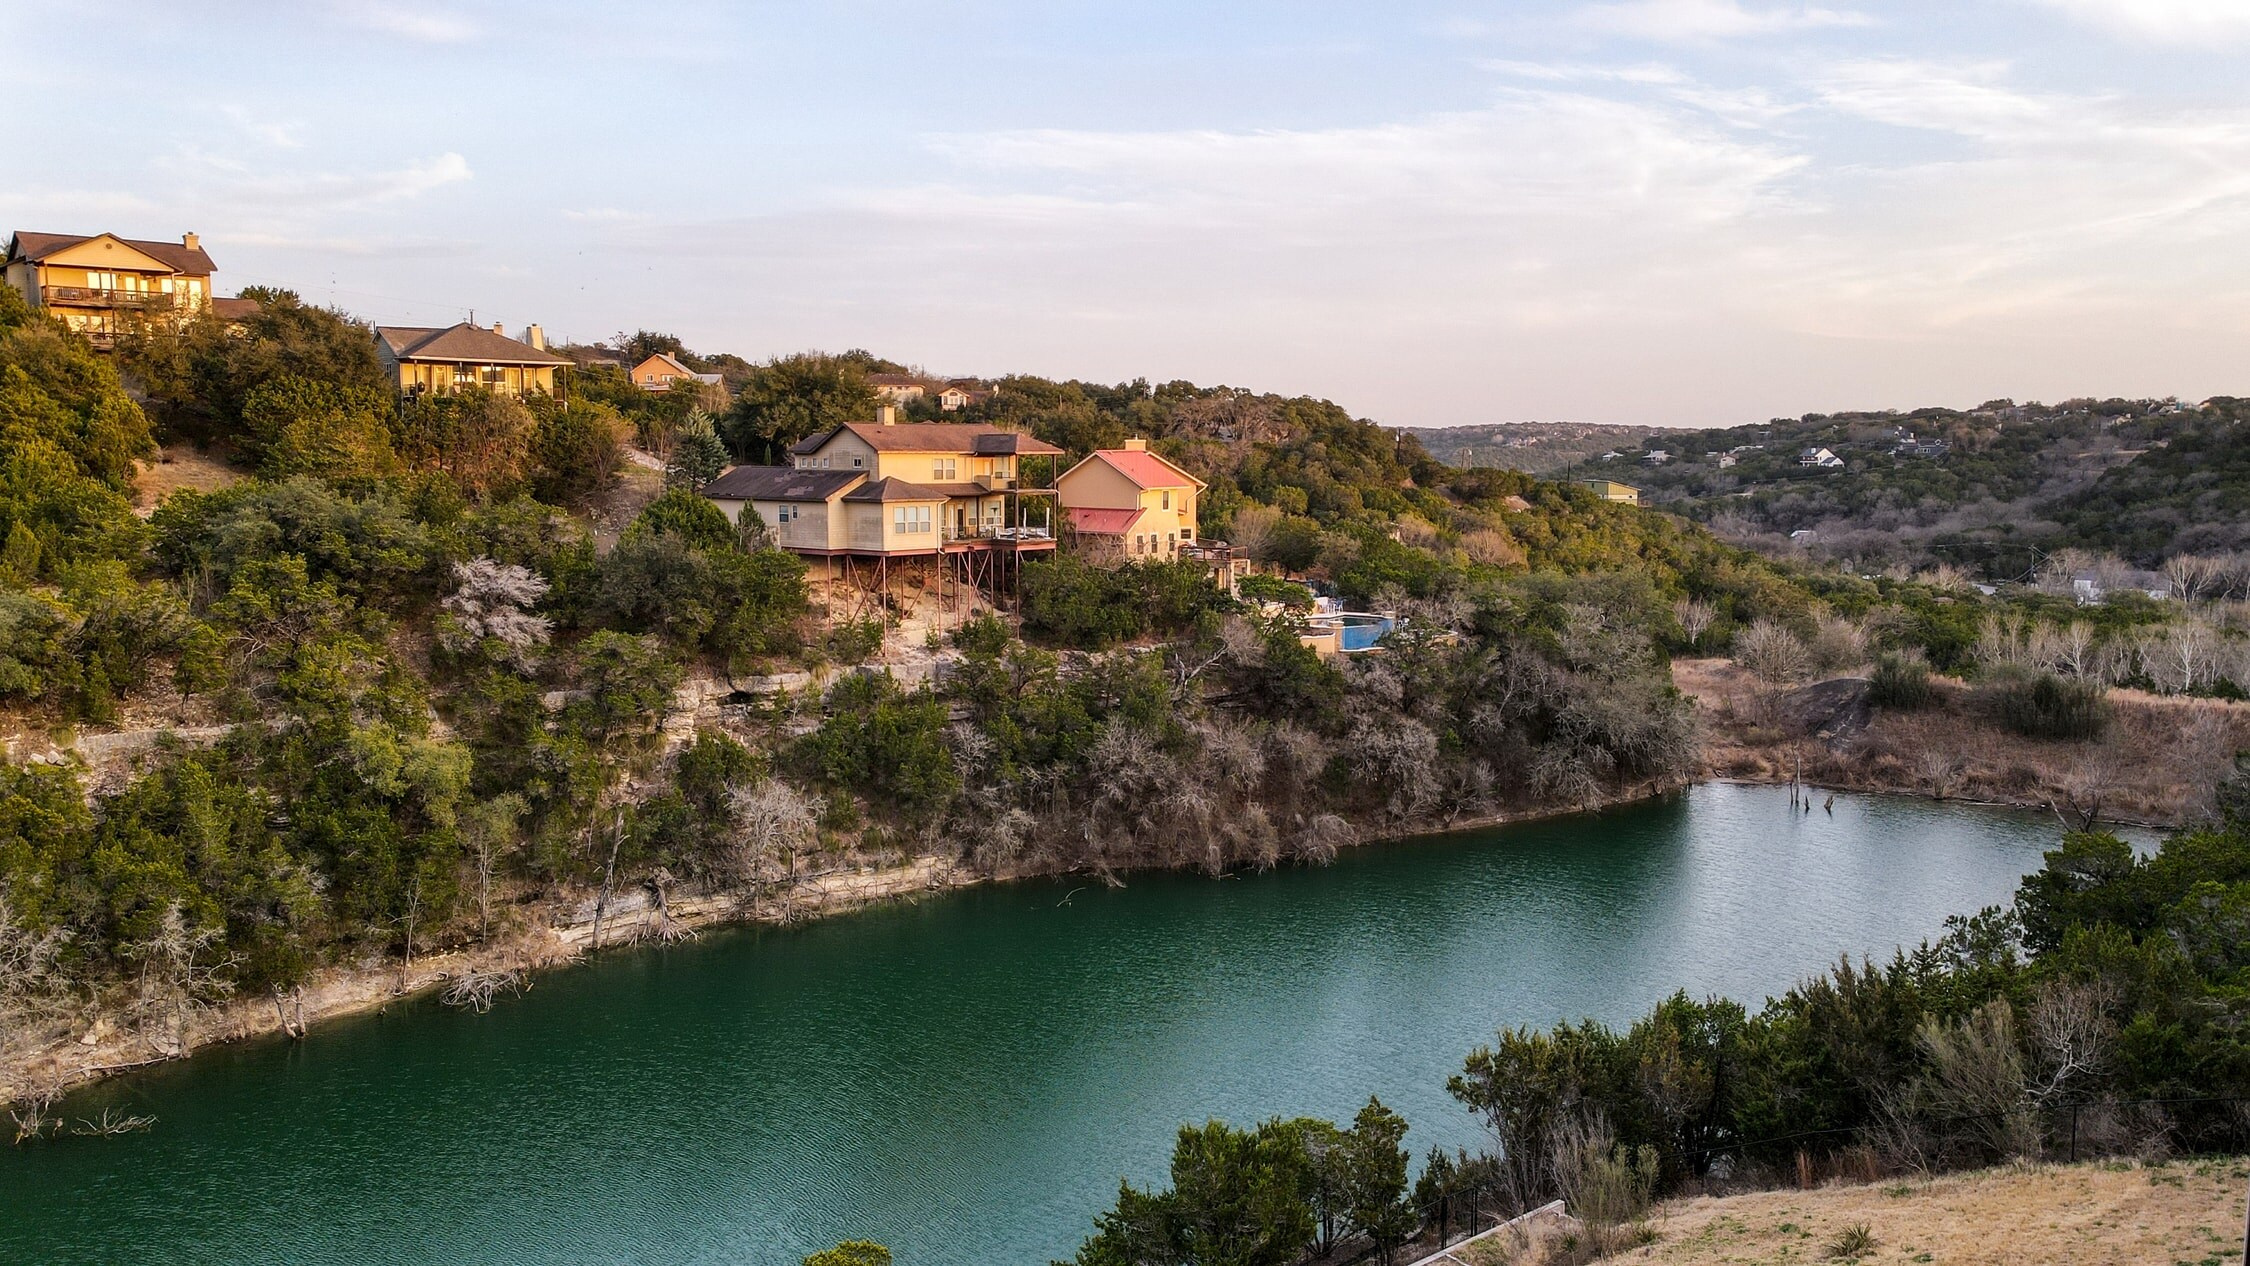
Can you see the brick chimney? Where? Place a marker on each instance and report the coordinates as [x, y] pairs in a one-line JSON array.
[[535, 336], [886, 413], [191, 241], [1136, 445], [499, 329]]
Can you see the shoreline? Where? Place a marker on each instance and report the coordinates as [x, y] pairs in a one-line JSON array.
[[100, 1048]]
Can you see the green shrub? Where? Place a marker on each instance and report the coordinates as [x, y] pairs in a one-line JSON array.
[[1901, 681], [1274, 589], [2051, 707]]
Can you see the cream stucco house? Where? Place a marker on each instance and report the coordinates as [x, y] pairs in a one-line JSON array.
[[1130, 501]]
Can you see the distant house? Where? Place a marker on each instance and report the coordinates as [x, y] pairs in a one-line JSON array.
[[1655, 457], [1909, 446], [1611, 455], [100, 284], [889, 489], [420, 358], [660, 371], [960, 394], [1611, 490], [1130, 501], [1820, 457], [897, 388], [1804, 536], [1726, 459]]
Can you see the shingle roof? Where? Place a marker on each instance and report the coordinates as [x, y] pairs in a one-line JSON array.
[[1144, 468], [236, 309], [933, 437], [1104, 521], [463, 343], [893, 380], [780, 483], [895, 490], [174, 255]]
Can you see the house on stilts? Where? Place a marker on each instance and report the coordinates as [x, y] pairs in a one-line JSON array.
[[949, 502]]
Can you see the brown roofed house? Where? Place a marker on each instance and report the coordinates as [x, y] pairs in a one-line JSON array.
[[423, 358], [887, 488], [101, 284], [897, 388]]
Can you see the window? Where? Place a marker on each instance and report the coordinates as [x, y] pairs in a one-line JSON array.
[[1164, 500], [463, 376], [785, 514], [910, 520], [943, 468], [858, 462], [1187, 534], [494, 375]]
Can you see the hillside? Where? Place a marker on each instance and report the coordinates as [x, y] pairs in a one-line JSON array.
[[2108, 1214], [1991, 490], [1537, 448]]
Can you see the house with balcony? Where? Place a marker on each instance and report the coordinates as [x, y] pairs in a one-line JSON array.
[[1130, 503], [886, 490], [100, 285], [424, 359], [960, 393]]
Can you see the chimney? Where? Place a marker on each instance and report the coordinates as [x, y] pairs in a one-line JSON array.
[[1136, 446], [499, 329], [886, 413], [191, 241], [535, 336]]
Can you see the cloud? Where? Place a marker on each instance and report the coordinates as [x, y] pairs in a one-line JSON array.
[[1691, 21], [404, 21], [256, 189], [272, 132], [2162, 21]]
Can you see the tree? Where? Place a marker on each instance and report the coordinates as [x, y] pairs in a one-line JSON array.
[[1696, 617], [201, 374], [310, 426], [576, 451], [1377, 1186], [1238, 1198], [791, 397], [482, 439], [698, 455]]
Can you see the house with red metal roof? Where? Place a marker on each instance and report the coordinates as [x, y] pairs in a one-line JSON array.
[[1131, 501]]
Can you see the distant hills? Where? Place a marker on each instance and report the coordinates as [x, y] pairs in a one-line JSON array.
[[1992, 488]]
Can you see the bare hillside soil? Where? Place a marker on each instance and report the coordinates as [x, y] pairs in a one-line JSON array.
[[2157, 764]]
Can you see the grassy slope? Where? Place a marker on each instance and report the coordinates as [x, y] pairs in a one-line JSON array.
[[2087, 1215]]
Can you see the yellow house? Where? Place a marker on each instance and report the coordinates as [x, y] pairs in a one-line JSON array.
[[98, 285], [890, 489], [660, 371], [1611, 490], [1130, 500], [427, 359]]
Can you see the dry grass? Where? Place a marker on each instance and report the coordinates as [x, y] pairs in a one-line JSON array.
[[180, 466], [2105, 1214], [2158, 763]]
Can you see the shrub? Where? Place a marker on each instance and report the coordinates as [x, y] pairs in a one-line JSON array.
[[1901, 681], [2051, 707], [1854, 1242], [1274, 589]]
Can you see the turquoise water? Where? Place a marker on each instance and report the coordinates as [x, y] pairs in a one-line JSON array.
[[967, 1077]]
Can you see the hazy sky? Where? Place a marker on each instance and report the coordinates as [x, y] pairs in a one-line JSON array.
[[1665, 211]]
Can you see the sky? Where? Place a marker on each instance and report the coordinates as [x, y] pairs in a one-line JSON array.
[[1672, 212]]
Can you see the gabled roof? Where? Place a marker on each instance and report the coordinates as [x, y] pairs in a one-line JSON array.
[[780, 483], [236, 309], [1144, 468], [893, 380], [932, 437], [177, 256], [1103, 521], [461, 344], [895, 490], [669, 360]]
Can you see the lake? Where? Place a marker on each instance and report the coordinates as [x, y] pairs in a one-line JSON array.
[[967, 1077]]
